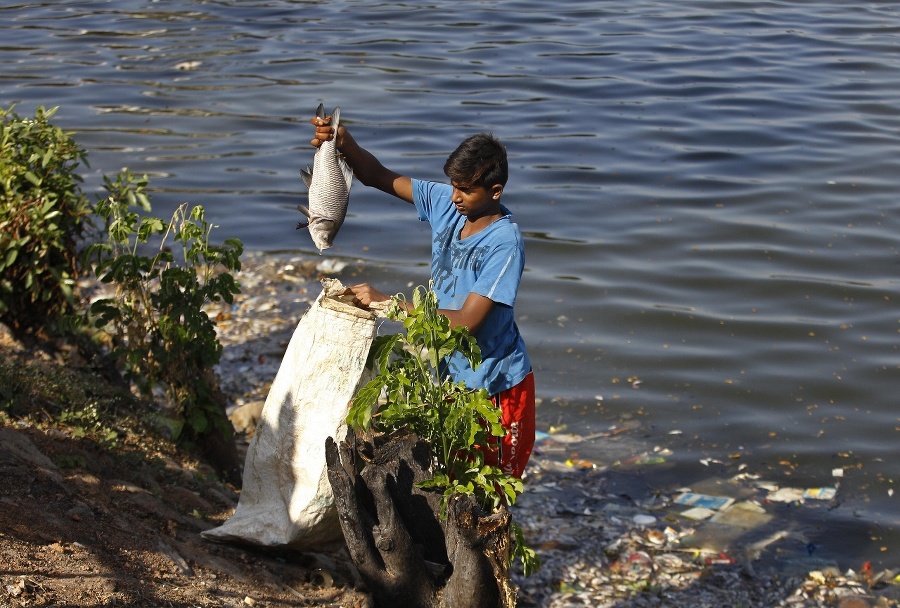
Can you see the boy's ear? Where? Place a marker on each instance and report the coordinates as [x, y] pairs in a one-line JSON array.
[[496, 191]]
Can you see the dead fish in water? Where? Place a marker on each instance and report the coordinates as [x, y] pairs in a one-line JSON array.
[[329, 182]]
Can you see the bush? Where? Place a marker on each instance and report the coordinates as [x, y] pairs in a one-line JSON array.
[[159, 328], [42, 214]]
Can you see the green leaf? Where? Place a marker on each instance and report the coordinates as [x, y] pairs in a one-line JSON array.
[[148, 227]]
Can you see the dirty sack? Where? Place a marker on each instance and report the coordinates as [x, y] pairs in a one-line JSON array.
[[286, 497]]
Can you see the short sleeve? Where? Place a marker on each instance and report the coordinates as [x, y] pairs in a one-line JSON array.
[[499, 277]]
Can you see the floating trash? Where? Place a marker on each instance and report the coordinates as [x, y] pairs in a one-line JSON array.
[[566, 438], [799, 495], [820, 493], [704, 500], [644, 520], [719, 560], [186, 66], [580, 464], [785, 495], [331, 266], [656, 537], [698, 513], [745, 515]]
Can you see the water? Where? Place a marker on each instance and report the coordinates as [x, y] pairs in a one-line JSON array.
[[708, 192]]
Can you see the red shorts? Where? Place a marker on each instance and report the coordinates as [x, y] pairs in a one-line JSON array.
[[518, 412]]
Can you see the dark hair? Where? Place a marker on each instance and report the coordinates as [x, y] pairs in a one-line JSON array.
[[480, 160]]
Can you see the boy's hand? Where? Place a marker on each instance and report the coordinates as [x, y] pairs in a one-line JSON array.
[[325, 132], [364, 294]]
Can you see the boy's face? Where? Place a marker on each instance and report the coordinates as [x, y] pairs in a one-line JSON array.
[[476, 201]]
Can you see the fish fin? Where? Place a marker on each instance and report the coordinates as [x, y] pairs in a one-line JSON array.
[[346, 170], [305, 212], [320, 111], [306, 176]]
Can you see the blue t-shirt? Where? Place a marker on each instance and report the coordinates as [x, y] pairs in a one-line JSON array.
[[488, 263]]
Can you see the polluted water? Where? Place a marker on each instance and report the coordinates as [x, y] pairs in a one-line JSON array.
[[605, 536]]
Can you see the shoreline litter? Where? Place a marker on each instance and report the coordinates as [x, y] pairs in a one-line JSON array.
[[604, 539]]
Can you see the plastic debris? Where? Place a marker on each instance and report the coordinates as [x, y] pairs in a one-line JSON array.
[[580, 464], [655, 537], [644, 520], [720, 559], [566, 438], [645, 458], [820, 493], [331, 266], [708, 461], [698, 513], [745, 515], [786, 495], [704, 500]]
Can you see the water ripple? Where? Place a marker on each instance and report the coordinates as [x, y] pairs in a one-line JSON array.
[[707, 189]]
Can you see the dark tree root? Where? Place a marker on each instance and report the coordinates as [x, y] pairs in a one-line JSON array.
[[405, 554]]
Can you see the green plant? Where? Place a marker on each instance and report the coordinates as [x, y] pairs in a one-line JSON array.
[[421, 397], [89, 419], [42, 214], [157, 320]]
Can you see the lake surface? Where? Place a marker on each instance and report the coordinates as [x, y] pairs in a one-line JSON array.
[[708, 190]]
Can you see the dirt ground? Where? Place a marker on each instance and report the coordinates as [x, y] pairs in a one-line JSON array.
[[94, 511]]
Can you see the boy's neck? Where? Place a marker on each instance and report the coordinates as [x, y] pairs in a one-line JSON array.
[[476, 225]]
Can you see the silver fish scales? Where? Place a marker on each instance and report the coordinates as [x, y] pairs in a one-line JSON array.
[[329, 182]]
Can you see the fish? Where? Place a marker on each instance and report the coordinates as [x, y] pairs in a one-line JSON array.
[[329, 181]]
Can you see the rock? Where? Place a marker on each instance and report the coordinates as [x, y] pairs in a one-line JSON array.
[[8, 340], [179, 562], [21, 447], [247, 416], [854, 602], [80, 512], [126, 486]]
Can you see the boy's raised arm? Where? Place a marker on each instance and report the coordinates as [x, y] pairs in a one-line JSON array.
[[366, 168]]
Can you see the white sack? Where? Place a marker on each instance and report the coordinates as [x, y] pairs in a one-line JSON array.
[[286, 497]]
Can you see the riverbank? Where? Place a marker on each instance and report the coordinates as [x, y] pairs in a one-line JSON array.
[[119, 524]]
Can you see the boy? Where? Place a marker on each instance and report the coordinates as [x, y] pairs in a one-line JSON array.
[[476, 265]]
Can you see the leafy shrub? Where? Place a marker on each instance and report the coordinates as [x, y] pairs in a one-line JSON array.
[[160, 332], [159, 328], [421, 397], [42, 214]]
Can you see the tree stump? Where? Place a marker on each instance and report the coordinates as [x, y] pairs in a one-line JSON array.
[[405, 553]]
